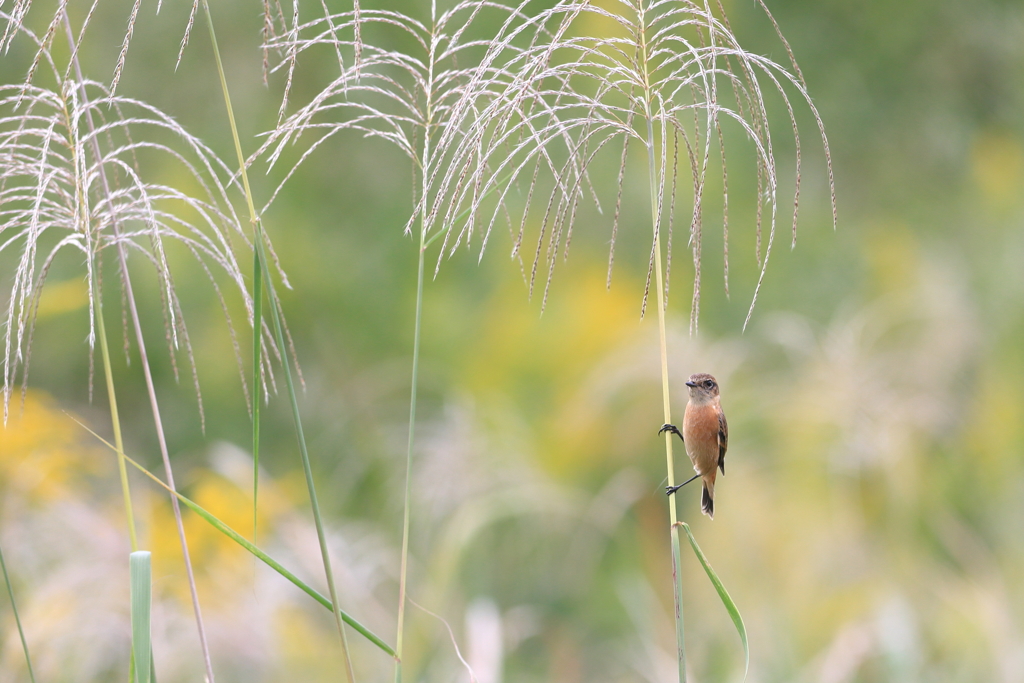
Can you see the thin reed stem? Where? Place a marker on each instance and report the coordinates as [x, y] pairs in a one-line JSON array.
[[666, 393], [666, 401], [402, 596], [425, 165], [257, 383], [261, 260], [101, 332]]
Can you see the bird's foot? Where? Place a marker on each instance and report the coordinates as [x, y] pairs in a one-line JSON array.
[[671, 428], [669, 490]]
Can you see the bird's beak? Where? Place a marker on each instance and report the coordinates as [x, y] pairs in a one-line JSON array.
[[691, 384]]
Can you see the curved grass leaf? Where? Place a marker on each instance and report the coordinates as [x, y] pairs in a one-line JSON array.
[[267, 559], [276, 566], [730, 606]]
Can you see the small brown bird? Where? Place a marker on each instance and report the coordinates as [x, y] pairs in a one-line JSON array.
[[705, 436]]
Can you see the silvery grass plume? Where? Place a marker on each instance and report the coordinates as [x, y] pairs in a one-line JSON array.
[[666, 75], [416, 99], [77, 173], [15, 23]]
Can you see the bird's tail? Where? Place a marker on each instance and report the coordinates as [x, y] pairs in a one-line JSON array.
[[707, 499]]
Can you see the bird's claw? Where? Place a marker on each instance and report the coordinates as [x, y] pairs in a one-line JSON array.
[[671, 428]]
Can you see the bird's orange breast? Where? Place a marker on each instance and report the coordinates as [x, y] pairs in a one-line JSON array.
[[700, 434]]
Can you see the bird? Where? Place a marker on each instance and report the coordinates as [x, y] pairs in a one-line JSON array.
[[705, 436]]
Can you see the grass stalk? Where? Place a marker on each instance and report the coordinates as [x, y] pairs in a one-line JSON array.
[[677, 593], [677, 579], [425, 162], [402, 585], [101, 333], [659, 297], [257, 383], [17, 619], [260, 260], [147, 373]]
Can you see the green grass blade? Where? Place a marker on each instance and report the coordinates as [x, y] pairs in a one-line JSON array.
[[257, 384], [17, 619], [276, 566], [730, 606], [280, 569], [141, 581]]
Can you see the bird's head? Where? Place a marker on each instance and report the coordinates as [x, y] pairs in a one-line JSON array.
[[703, 387]]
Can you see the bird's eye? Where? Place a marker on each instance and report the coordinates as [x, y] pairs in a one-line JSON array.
[[709, 384]]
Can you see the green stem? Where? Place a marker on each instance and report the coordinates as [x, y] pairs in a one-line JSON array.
[[101, 332], [677, 587], [257, 379], [17, 619], [421, 266], [279, 335], [402, 596], [677, 580]]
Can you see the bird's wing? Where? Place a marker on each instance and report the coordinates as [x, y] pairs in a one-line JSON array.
[[723, 439]]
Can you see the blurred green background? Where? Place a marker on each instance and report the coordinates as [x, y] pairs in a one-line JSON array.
[[870, 524]]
